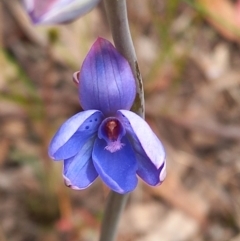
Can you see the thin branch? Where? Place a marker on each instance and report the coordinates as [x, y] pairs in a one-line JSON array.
[[23, 22], [117, 17]]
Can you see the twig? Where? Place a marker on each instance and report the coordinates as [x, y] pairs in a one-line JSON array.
[[117, 17], [20, 17]]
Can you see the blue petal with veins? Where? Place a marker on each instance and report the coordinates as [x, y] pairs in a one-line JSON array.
[[106, 81]]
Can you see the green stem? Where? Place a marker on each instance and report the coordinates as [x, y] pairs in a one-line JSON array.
[[117, 17]]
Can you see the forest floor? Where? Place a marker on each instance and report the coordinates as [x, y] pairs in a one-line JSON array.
[[190, 63]]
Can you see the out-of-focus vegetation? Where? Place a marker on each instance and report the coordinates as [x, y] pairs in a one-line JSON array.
[[189, 57]]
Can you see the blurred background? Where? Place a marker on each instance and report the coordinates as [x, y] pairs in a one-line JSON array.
[[189, 57]]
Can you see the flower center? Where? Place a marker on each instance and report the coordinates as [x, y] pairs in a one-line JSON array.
[[112, 131]]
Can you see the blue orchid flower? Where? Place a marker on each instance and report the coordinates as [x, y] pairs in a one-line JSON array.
[[107, 139], [57, 11]]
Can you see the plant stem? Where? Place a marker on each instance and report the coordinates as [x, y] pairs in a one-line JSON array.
[[117, 17], [114, 207]]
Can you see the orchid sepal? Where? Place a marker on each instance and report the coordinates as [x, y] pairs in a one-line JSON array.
[[57, 11]]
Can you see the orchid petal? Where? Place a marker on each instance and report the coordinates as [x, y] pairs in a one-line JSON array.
[[148, 172], [73, 134], [117, 169], [106, 82], [79, 171], [137, 128], [29, 5], [57, 11]]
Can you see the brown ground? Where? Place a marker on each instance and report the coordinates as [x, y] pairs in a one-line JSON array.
[[190, 63]]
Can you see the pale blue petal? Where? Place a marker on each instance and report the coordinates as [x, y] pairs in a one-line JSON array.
[[73, 134], [106, 82], [148, 172], [28, 5], [118, 169], [138, 128], [57, 11], [79, 171], [146, 169]]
